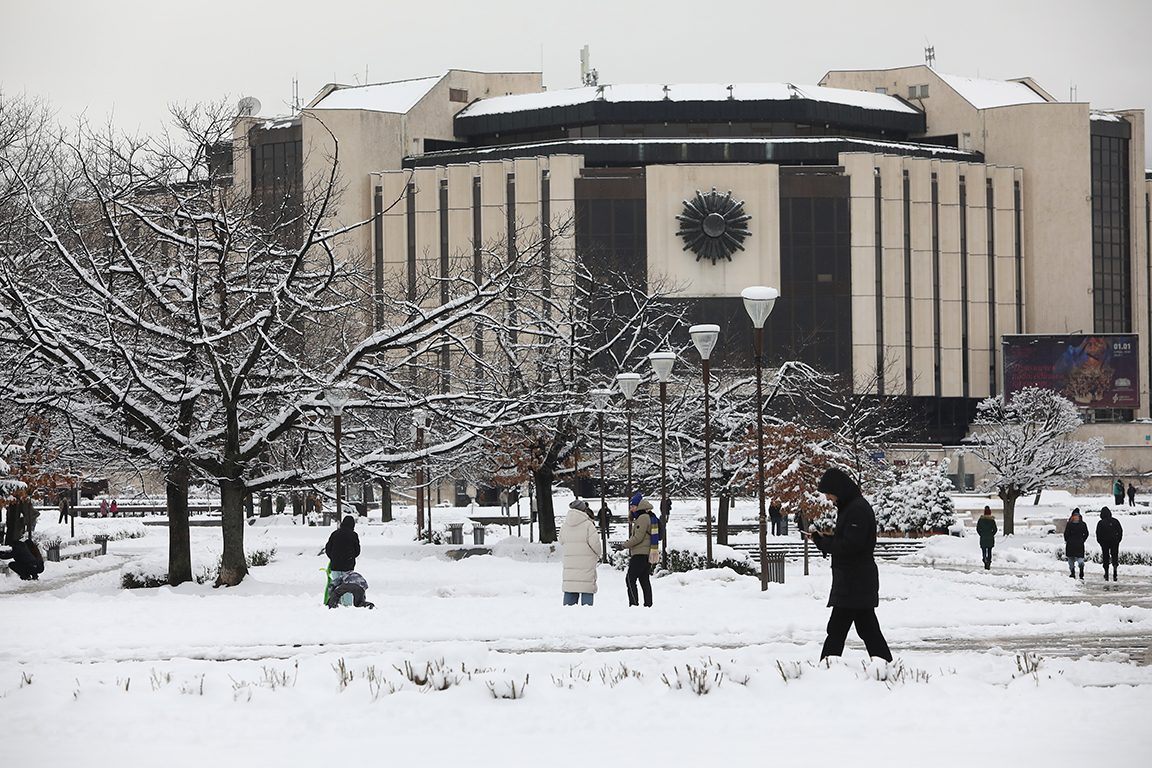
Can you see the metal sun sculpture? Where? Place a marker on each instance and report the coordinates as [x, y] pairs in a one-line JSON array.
[[713, 225]]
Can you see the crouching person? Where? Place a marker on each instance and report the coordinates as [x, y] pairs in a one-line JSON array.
[[348, 588]]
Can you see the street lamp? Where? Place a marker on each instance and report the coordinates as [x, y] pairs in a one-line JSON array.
[[705, 338], [628, 383], [337, 398], [419, 421], [600, 398], [758, 302], [662, 363]]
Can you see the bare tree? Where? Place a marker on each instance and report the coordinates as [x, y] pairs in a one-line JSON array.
[[1025, 442]]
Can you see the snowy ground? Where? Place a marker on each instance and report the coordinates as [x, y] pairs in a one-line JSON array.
[[1017, 666]]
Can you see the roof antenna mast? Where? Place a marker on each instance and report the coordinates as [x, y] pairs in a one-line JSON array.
[[589, 77], [930, 56]]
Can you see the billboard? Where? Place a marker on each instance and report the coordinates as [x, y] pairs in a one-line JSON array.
[[1093, 371]]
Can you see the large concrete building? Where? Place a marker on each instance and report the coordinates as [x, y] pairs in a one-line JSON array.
[[910, 219]]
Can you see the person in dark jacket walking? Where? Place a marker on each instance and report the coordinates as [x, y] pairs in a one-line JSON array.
[[986, 527], [855, 579], [1109, 533], [1131, 495], [1075, 534]]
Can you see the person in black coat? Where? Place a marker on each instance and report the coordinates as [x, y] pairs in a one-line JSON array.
[[27, 561], [1109, 532], [1075, 534], [855, 579], [343, 546]]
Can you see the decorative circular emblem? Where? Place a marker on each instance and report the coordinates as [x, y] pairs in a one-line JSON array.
[[713, 225]]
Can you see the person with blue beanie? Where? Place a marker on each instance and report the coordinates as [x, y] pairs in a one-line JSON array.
[[643, 545]]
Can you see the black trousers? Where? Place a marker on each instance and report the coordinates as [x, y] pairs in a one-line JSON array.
[[867, 626], [639, 568], [1110, 553]]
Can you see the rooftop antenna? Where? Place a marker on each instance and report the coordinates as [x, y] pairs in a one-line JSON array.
[[930, 56], [295, 94], [1071, 92], [589, 77]]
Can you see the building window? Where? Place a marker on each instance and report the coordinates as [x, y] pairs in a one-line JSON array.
[[458, 94], [918, 91], [1111, 257]]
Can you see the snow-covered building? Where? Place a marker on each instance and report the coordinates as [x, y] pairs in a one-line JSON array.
[[909, 218]]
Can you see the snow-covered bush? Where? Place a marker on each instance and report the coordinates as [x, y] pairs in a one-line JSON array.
[[8, 484], [914, 498], [682, 560]]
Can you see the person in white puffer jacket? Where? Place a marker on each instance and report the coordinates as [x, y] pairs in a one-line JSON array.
[[581, 543]]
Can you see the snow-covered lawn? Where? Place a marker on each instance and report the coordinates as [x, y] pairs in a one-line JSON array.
[[716, 672]]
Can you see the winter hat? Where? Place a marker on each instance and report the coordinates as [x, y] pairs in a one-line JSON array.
[[348, 522], [635, 499], [1075, 513], [579, 504]]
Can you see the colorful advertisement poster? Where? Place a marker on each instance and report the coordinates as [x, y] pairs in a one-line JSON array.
[[1097, 371]]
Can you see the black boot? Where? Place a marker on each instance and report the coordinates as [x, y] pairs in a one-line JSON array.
[[1113, 574], [1081, 573], [1105, 574]]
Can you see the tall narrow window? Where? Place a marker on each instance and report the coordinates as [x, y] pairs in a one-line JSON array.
[[1018, 215], [964, 359], [937, 375], [378, 249], [907, 285], [477, 260], [877, 189], [546, 239], [445, 355], [411, 221], [993, 346]]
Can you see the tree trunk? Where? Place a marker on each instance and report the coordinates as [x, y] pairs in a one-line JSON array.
[[233, 564], [179, 547], [385, 501], [545, 515], [722, 519], [1009, 498]]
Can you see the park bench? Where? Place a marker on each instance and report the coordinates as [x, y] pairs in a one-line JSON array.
[[74, 550]]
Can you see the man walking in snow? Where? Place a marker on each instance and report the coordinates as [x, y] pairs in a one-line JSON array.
[[986, 528], [855, 579], [1109, 533], [1075, 534], [642, 544]]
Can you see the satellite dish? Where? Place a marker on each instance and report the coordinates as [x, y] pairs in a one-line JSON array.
[[248, 106]]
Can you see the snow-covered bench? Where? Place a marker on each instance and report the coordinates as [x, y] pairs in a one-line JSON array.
[[75, 551]]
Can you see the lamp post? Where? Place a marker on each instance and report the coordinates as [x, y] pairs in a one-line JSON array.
[[662, 363], [336, 399], [705, 338], [419, 420], [600, 398], [758, 302], [628, 383]]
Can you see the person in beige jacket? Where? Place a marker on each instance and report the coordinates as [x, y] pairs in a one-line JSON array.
[[581, 544], [640, 545]]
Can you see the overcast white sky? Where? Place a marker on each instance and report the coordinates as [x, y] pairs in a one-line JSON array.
[[131, 58]]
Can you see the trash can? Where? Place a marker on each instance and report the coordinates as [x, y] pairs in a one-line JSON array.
[[477, 534], [775, 569], [455, 533], [784, 525]]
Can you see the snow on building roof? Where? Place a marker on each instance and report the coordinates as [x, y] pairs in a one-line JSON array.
[[684, 92], [986, 94], [1107, 117], [399, 97]]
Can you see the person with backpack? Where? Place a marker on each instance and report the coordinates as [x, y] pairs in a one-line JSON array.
[[1109, 533], [343, 548], [855, 579], [1075, 534], [986, 528], [643, 546], [581, 544]]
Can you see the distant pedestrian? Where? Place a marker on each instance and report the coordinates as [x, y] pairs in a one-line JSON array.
[[986, 527], [1118, 492], [582, 549], [113, 507], [31, 516], [776, 516], [1075, 534], [643, 545], [63, 511], [1109, 533], [855, 580], [103, 507], [1131, 495], [502, 497]]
